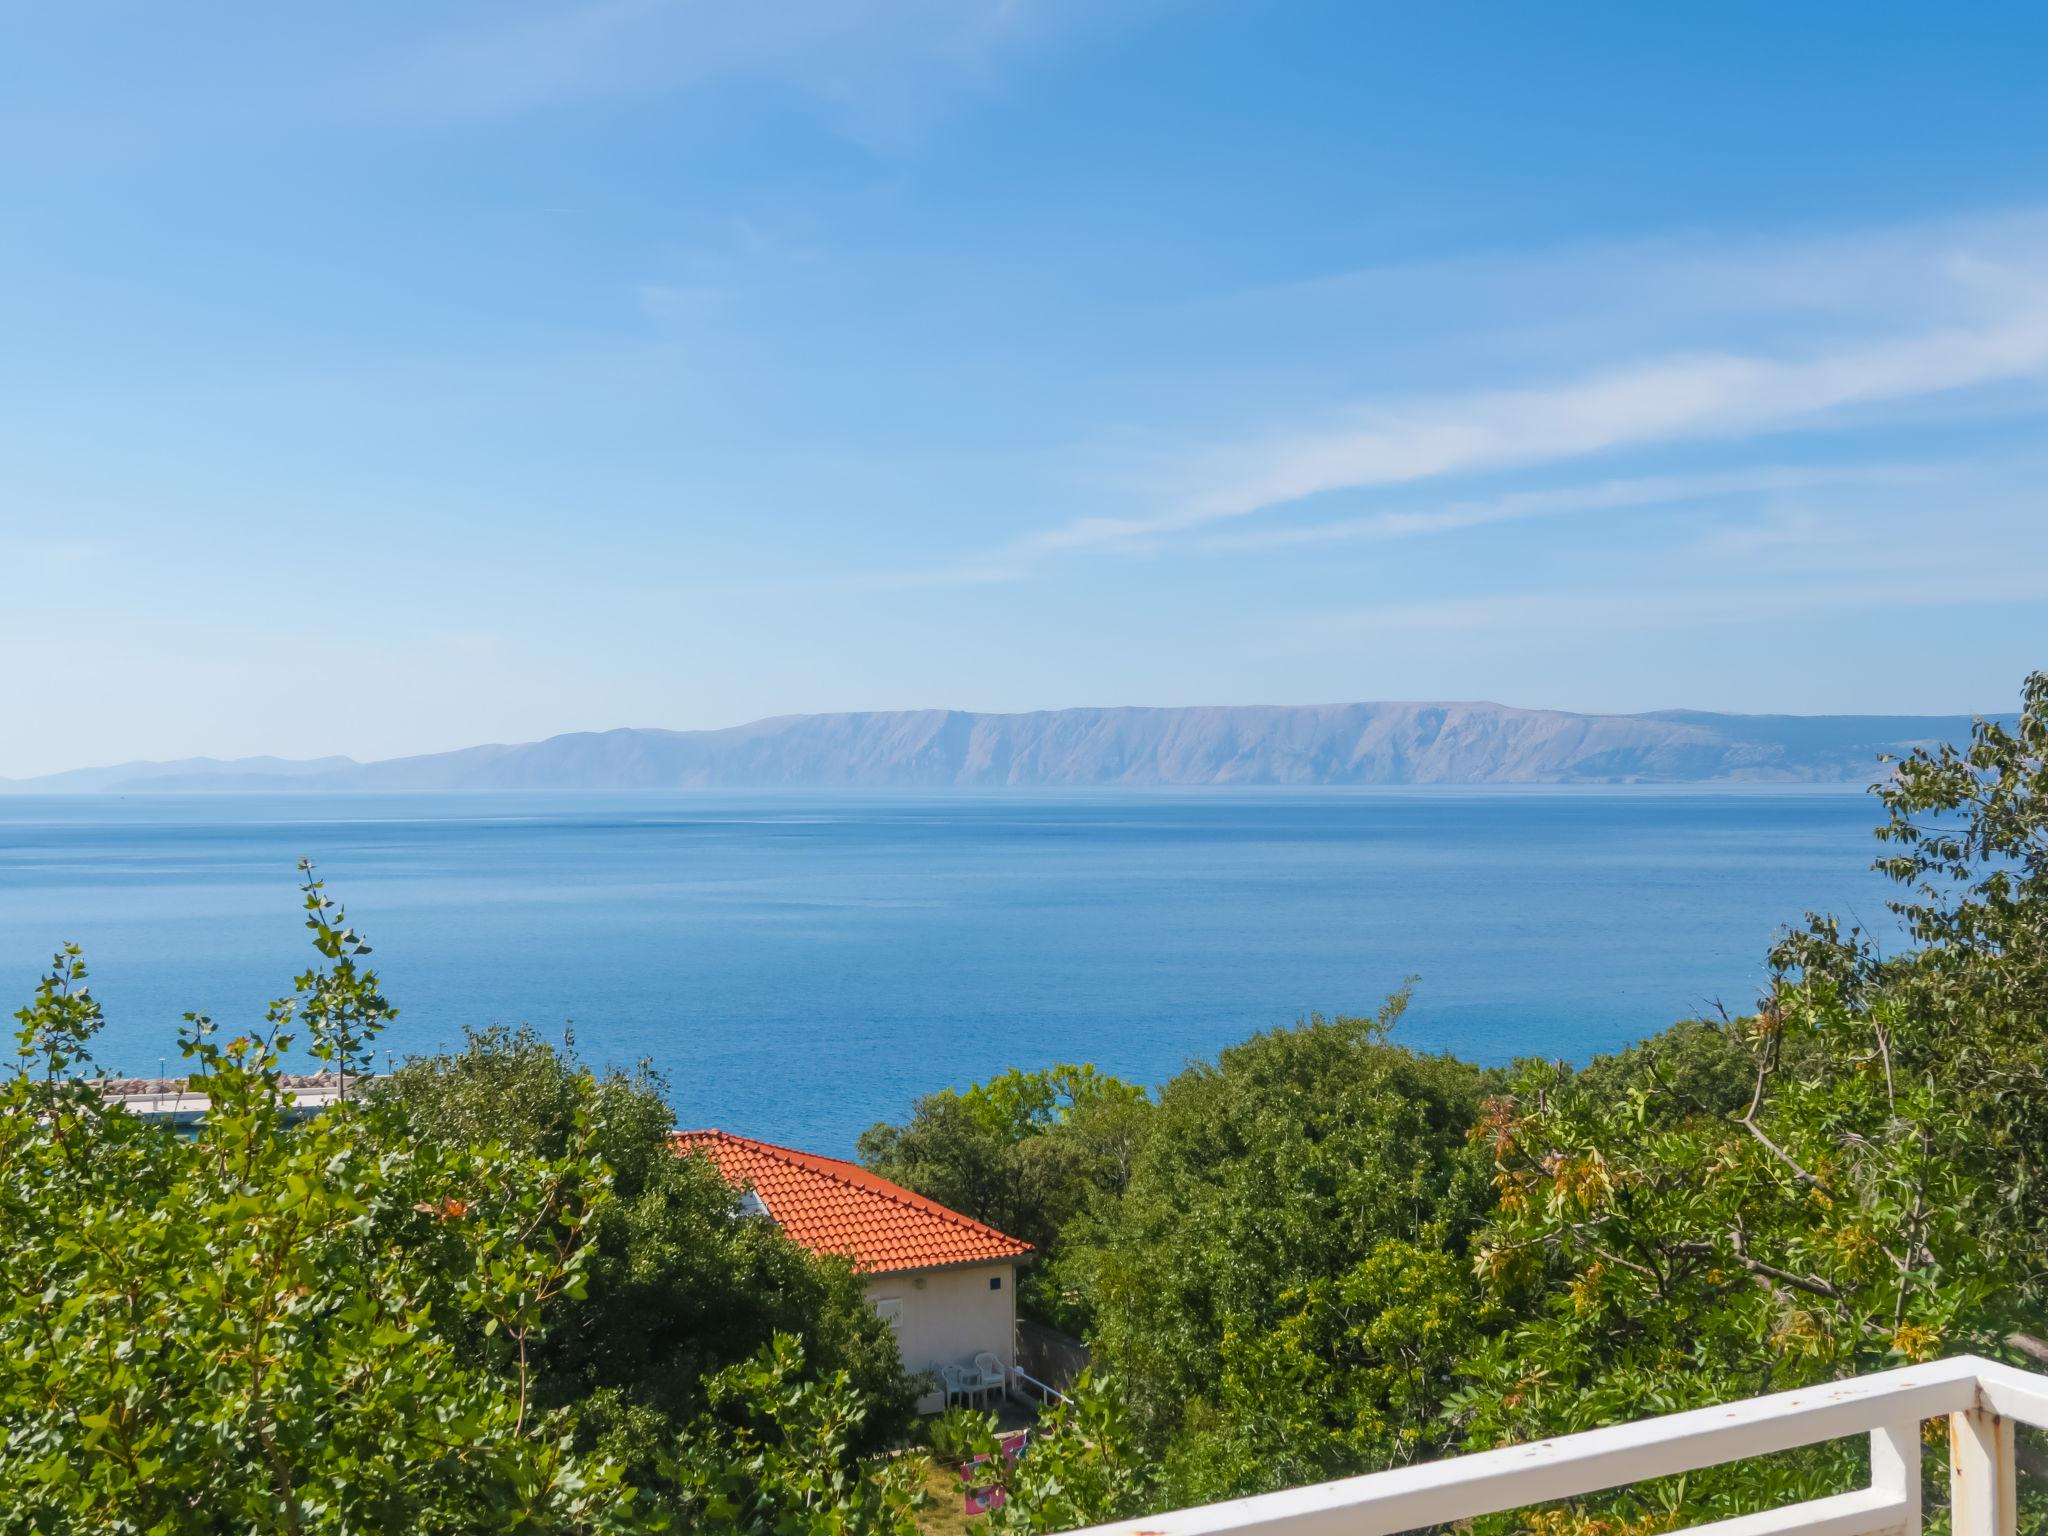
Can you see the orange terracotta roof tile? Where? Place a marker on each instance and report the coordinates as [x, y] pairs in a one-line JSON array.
[[833, 1206]]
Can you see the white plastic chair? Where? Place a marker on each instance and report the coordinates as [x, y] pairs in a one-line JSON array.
[[960, 1383], [990, 1374]]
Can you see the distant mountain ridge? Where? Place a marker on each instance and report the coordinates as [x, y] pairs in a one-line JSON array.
[[1329, 744], [124, 777]]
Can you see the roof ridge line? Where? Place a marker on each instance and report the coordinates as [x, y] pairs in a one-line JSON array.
[[926, 1204], [893, 1192], [910, 1199]]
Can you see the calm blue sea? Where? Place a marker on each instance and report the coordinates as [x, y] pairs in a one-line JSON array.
[[802, 965]]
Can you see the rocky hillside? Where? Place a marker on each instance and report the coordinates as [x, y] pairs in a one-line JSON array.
[[1356, 744]]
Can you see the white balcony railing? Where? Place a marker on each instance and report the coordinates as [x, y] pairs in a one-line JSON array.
[[1980, 1399]]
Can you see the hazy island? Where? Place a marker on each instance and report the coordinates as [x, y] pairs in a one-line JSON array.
[[1322, 744]]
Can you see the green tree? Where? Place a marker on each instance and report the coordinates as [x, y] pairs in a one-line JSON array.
[[1350, 1376], [775, 1454], [1848, 1179], [474, 1300], [1969, 832], [1083, 1465], [1665, 1255], [678, 1285], [1277, 1292], [251, 1331], [1026, 1152]]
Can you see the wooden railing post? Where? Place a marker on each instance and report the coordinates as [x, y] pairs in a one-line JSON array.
[[1895, 1469], [1980, 1474]]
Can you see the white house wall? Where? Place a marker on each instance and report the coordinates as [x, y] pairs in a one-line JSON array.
[[948, 1316]]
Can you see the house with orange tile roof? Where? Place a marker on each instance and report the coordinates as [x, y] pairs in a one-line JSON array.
[[947, 1282]]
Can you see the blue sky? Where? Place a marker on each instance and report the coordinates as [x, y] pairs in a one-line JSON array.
[[387, 377]]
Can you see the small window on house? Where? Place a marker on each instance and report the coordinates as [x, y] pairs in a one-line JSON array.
[[751, 1204], [995, 1282]]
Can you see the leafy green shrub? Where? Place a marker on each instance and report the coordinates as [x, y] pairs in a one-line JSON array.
[[327, 1326], [678, 1285], [483, 1297]]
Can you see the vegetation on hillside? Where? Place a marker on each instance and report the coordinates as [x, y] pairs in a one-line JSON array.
[[677, 1286], [487, 1296], [1025, 1152], [483, 1298], [320, 1327], [1328, 1254]]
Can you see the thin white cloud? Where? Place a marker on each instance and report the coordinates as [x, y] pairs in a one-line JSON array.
[[1601, 496], [1904, 324], [1642, 404], [1924, 270]]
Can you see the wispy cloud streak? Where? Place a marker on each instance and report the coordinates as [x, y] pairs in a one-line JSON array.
[[1664, 400], [1601, 496]]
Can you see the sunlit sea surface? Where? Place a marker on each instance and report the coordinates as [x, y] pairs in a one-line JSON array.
[[801, 965]]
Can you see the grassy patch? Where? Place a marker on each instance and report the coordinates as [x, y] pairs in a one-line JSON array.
[[944, 1514]]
